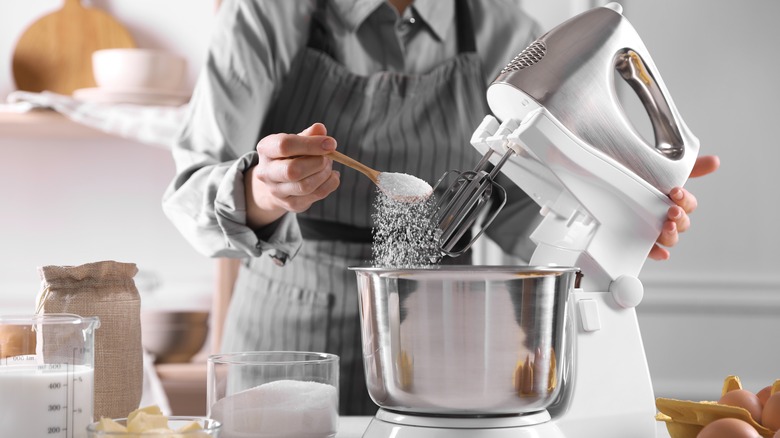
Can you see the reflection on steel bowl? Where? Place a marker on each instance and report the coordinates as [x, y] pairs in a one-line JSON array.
[[465, 340]]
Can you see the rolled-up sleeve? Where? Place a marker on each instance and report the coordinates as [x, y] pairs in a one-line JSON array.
[[216, 144]]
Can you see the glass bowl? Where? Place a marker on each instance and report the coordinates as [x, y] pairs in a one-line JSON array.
[[280, 394], [210, 427]]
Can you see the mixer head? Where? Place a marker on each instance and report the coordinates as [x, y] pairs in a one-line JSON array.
[[573, 71], [561, 134]]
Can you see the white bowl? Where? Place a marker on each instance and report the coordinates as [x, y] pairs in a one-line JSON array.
[[174, 336], [138, 70]]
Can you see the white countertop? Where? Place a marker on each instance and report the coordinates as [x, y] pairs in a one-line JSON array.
[[353, 427]]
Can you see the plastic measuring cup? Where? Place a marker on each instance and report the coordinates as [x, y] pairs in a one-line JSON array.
[[47, 375]]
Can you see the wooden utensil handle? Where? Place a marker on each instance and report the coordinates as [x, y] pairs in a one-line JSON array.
[[372, 174]]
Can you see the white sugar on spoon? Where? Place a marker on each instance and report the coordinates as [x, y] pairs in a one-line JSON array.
[[398, 186]]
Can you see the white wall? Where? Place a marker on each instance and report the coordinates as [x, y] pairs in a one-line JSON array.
[[88, 198], [81, 200]]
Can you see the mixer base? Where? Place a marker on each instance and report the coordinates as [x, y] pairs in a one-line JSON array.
[[388, 424]]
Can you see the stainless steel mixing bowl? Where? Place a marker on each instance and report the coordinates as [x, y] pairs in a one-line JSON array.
[[465, 340]]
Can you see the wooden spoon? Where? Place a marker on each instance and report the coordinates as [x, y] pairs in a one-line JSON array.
[[372, 174], [399, 186]]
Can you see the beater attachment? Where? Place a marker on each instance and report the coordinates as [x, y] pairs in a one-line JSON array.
[[471, 194]]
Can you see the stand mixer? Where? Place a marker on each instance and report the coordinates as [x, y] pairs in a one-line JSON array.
[[564, 139]]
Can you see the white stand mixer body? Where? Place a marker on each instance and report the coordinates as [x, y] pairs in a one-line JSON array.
[[599, 217], [396, 425], [610, 394], [604, 220]]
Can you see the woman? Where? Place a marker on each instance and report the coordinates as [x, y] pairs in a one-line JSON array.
[[397, 86]]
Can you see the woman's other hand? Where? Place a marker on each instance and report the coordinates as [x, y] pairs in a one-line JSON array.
[[677, 219], [292, 173]]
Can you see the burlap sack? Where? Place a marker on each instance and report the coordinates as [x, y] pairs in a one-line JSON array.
[[106, 290]]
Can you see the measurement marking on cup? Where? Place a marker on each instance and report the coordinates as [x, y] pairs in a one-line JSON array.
[[72, 392]]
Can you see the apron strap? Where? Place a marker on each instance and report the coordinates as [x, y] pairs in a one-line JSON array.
[[466, 39], [321, 39], [319, 36]]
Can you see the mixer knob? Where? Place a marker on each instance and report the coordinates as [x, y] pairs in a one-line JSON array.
[[627, 291]]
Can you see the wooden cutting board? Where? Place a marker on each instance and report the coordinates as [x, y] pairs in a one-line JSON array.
[[55, 52]]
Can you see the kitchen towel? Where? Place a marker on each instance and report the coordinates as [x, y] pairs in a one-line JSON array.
[[104, 289], [155, 125]]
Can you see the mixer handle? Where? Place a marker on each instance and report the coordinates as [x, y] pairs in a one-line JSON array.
[[668, 140]]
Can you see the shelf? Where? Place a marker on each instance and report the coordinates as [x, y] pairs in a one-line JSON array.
[[45, 125]]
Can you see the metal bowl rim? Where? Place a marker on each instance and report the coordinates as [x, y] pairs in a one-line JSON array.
[[469, 268]]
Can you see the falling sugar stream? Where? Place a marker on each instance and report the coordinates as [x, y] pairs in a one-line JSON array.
[[405, 234]]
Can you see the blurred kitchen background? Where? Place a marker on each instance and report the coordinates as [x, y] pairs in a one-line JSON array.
[[73, 195]]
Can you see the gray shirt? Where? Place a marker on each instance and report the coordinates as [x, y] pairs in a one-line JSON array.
[[249, 57]]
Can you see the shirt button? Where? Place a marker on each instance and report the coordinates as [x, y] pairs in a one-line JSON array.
[[405, 25]]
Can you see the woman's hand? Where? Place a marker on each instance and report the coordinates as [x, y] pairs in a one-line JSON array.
[[677, 220], [292, 173]]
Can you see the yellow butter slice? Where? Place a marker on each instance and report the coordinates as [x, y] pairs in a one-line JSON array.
[[153, 410], [109, 425], [143, 422], [191, 426]]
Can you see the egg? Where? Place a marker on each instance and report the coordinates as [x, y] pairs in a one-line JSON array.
[[764, 394], [770, 418], [743, 398], [728, 428]]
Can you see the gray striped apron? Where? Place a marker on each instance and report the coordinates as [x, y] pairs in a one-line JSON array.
[[415, 124]]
